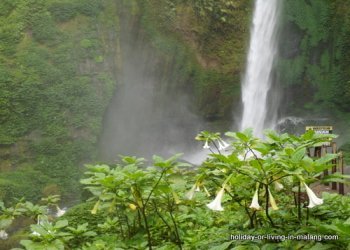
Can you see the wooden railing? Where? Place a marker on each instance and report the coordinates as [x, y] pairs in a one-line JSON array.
[[338, 163]]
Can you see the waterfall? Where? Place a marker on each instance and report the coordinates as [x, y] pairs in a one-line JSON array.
[[258, 76]]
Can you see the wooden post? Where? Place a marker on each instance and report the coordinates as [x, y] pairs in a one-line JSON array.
[[322, 152], [341, 165], [334, 162]]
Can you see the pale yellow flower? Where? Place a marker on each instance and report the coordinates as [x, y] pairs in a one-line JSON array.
[[132, 206], [272, 201], [94, 210], [190, 193], [278, 186]]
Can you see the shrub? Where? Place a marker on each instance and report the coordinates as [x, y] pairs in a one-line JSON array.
[[63, 12]]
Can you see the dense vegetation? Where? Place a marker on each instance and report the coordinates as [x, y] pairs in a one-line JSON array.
[[56, 81], [260, 188], [315, 58]]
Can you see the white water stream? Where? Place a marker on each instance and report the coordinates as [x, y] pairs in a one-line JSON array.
[[260, 62]]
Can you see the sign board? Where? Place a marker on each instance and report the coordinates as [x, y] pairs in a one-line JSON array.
[[321, 130]]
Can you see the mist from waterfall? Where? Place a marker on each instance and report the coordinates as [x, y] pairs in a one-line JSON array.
[[150, 112], [257, 96]]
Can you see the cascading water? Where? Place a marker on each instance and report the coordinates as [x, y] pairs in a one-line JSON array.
[[258, 77]]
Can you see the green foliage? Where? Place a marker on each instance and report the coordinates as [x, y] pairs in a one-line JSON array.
[[146, 199], [63, 11], [81, 214], [89, 7], [168, 205], [53, 90], [25, 182], [318, 30], [44, 28], [313, 19], [221, 11]]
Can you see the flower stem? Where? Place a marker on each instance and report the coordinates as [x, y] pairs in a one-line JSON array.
[[179, 242], [149, 238], [216, 147], [267, 205], [150, 194], [299, 202]]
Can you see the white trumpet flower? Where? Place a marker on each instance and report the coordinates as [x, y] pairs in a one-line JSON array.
[[272, 201], [196, 188], [255, 201], [60, 212], [221, 147], [35, 233], [224, 144], [190, 193], [216, 203], [206, 145], [313, 199], [3, 235], [278, 186]]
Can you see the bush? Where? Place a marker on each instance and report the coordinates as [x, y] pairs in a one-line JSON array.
[[24, 182], [63, 12], [43, 28], [89, 7]]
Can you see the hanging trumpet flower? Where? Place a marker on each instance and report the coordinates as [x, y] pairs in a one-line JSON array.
[[132, 206], [3, 235], [255, 201], [95, 208], [196, 188], [313, 199], [272, 201], [222, 144], [278, 186], [214, 138], [221, 147], [216, 203], [206, 145], [60, 212]]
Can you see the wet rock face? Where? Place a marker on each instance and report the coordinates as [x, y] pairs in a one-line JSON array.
[[291, 37]]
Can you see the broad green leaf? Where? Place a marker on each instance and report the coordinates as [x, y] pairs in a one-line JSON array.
[[308, 164], [325, 159], [248, 247], [336, 177], [6, 222], [262, 148], [39, 229], [242, 137], [298, 155], [223, 246], [320, 246], [61, 223], [289, 151]]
